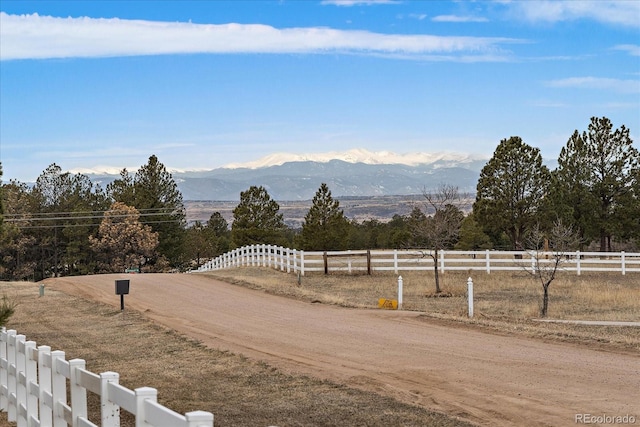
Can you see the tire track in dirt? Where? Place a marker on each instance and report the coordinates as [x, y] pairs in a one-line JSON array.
[[481, 377]]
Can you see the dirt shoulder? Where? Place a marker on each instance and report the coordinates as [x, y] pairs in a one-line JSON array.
[[481, 377]]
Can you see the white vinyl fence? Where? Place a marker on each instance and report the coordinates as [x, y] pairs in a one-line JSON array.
[[301, 262], [33, 391]]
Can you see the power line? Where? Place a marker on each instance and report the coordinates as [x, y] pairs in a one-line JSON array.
[[159, 210], [132, 215], [27, 227]]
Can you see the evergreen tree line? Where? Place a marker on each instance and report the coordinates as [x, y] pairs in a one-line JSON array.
[[66, 225]]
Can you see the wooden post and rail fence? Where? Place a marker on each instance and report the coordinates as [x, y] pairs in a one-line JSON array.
[[303, 262], [39, 388]]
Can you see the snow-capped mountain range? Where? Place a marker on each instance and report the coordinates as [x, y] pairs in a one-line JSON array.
[[356, 172], [361, 155]]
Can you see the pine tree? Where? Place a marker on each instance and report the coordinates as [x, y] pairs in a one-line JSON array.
[[511, 190], [256, 219], [157, 196], [154, 193], [596, 174], [325, 226]]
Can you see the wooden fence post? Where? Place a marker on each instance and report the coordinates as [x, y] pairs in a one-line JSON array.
[[325, 258]]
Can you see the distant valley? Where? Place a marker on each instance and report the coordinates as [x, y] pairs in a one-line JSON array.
[[380, 208]]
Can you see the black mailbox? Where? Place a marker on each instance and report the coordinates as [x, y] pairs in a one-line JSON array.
[[122, 287]]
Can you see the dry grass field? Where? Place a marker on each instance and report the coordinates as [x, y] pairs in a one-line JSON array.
[[240, 392], [506, 302]]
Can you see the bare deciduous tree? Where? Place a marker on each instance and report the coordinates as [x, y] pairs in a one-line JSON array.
[[548, 251], [438, 228]]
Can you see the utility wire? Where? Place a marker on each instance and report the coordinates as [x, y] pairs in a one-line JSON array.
[[159, 210], [83, 217], [83, 225]]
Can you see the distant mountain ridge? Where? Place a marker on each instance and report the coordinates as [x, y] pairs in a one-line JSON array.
[[348, 174], [360, 155]]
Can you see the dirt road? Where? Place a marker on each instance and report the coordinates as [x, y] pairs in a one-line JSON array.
[[485, 378]]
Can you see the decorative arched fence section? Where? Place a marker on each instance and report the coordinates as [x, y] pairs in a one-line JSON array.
[[301, 262], [35, 383]]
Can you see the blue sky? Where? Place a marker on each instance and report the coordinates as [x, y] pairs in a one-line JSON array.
[[202, 84]]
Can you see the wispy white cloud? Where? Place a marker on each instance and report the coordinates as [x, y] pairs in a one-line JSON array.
[[39, 37], [357, 2], [631, 49], [418, 16], [622, 12], [617, 85], [457, 18]]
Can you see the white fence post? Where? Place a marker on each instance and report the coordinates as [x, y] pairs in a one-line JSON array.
[[59, 388], [142, 394], [11, 372], [109, 411], [470, 296], [488, 260], [77, 392], [21, 385], [3, 370], [44, 378], [622, 262], [395, 261], [302, 263], [442, 261], [578, 262], [400, 290], [199, 419], [31, 378]]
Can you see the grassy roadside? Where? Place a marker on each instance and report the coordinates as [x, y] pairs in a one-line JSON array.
[[189, 376], [505, 302]]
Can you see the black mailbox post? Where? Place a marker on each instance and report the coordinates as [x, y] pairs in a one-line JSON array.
[[122, 288]]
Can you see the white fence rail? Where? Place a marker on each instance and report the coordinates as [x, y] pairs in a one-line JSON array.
[[301, 262], [33, 391]]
